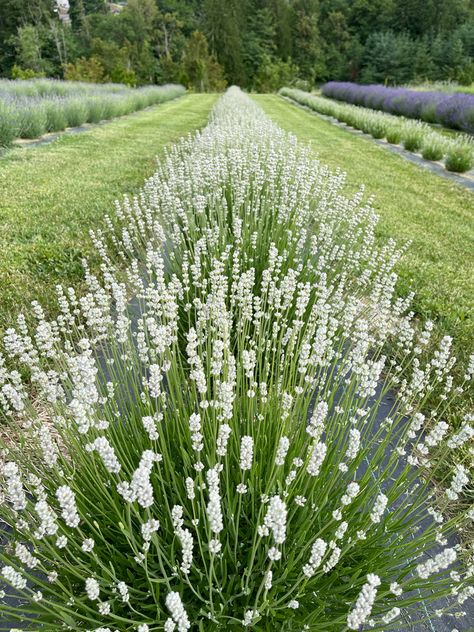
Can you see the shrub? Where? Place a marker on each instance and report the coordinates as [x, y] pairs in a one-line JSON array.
[[76, 111], [352, 119], [216, 455], [132, 103], [460, 157], [120, 74], [394, 134], [25, 73], [274, 74], [108, 108], [96, 110], [412, 137], [32, 121], [8, 124], [377, 128], [302, 84], [55, 115], [90, 70], [428, 113], [433, 147]]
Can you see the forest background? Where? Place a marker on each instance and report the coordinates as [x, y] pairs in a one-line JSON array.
[[257, 44]]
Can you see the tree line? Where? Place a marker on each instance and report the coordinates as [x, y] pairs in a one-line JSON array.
[[257, 44]]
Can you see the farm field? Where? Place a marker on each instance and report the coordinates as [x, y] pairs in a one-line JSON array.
[[52, 195], [167, 454], [237, 316], [73, 179], [435, 214]]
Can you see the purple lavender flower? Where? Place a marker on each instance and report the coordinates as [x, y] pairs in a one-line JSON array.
[[451, 110]]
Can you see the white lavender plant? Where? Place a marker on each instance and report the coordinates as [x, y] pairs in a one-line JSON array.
[[209, 453]]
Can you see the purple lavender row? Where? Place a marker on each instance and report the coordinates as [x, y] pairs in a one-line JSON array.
[[451, 110]]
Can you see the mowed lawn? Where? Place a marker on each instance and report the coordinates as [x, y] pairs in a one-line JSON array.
[[52, 195], [434, 213]]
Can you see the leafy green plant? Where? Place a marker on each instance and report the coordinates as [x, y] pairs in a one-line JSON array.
[[433, 147], [394, 134], [460, 157], [412, 137]]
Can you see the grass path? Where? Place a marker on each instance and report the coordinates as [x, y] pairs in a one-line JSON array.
[[51, 195], [437, 215]]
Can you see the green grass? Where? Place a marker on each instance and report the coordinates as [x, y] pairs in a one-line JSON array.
[[413, 204], [52, 195]]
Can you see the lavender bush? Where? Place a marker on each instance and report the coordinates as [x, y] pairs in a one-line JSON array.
[[451, 110], [202, 451], [33, 107]]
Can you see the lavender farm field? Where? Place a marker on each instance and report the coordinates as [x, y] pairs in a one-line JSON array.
[[236, 316], [456, 150], [223, 440], [414, 206]]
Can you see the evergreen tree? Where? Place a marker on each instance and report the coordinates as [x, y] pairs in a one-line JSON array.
[[423, 67], [337, 50], [388, 59], [258, 41], [307, 50], [367, 16], [224, 23], [281, 11], [201, 70]]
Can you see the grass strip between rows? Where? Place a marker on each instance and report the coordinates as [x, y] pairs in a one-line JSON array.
[[52, 195]]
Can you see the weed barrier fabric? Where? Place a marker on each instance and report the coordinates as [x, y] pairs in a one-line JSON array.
[[466, 180]]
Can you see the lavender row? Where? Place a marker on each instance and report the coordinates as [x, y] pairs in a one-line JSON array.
[[451, 110], [29, 109]]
